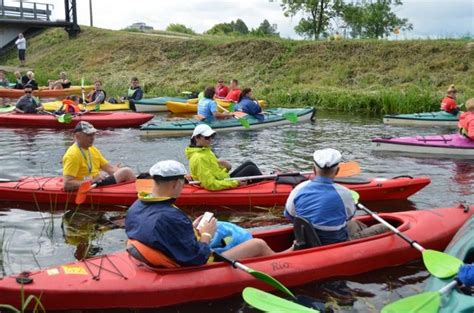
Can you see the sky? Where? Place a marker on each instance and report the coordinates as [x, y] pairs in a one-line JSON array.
[[430, 18]]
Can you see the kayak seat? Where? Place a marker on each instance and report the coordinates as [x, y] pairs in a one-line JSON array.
[[305, 234], [352, 181], [292, 180]]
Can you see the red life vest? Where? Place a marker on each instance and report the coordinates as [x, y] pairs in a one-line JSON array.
[[448, 104]]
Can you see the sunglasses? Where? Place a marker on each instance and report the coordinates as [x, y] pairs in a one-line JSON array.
[[28, 91]]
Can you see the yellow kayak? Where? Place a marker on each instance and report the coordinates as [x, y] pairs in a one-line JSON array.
[[191, 107], [106, 106]]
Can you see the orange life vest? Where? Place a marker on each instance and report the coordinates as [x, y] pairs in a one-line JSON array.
[[70, 106], [152, 257]]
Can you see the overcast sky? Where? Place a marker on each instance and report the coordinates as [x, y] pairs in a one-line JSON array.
[[430, 18]]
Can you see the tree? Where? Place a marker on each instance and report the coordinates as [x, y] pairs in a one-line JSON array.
[[317, 15], [373, 20], [240, 27], [180, 28], [233, 28], [265, 30]]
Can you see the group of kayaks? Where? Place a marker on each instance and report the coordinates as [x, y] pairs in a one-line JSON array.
[[451, 145]]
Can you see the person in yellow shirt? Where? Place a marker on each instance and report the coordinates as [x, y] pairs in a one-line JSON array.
[[83, 161]]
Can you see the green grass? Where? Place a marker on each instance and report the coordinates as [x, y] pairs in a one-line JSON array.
[[354, 75]]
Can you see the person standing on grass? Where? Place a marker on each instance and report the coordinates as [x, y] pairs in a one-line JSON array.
[[21, 46]]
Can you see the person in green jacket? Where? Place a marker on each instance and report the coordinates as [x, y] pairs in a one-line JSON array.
[[208, 169]]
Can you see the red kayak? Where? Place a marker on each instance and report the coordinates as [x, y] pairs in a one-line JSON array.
[[118, 281], [267, 193], [98, 119]]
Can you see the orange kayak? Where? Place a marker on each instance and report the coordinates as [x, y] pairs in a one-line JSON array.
[[44, 92]]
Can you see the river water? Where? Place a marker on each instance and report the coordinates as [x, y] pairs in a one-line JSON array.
[[33, 239]]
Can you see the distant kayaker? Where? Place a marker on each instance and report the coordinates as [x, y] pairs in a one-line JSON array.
[[466, 120], [207, 168], [70, 105], [329, 207], [31, 80], [221, 89], [28, 104], [62, 83], [21, 80], [96, 96], [448, 103], [234, 92], [83, 161], [134, 92], [164, 236], [207, 107], [249, 105], [4, 83]]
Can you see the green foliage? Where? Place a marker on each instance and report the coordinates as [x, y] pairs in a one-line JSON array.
[[233, 28], [374, 19], [239, 26], [317, 14], [265, 30], [26, 304], [180, 28]]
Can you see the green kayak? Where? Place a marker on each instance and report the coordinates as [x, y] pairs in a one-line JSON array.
[[185, 127], [462, 246], [156, 104], [440, 118], [7, 109]]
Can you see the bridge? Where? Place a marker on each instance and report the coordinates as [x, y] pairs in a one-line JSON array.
[[31, 17]]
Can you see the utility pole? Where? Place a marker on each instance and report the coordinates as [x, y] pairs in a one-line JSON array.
[[90, 12]]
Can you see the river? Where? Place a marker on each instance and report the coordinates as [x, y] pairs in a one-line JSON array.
[[33, 239]]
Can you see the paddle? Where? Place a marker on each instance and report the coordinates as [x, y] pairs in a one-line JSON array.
[[350, 168], [426, 302], [63, 118], [81, 194], [258, 275], [267, 302], [243, 121], [290, 116], [439, 264], [83, 94]]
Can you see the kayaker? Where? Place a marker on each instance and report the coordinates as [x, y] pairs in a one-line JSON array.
[[28, 104], [249, 105], [448, 103], [329, 207], [20, 80], [62, 83], [134, 92], [466, 274], [234, 92], [4, 83], [31, 80], [165, 236], [83, 161], [96, 96], [207, 107], [70, 105], [466, 120], [221, 89], [205, 167]]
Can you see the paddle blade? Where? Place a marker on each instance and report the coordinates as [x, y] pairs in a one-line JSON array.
[[144, 185], [232, 107], [350, 168], [291, 116], [427, 302], [82, 192], [355, 196], [65, 118], [267, 302], [245, 123], [271, 281], [440, 264], [82, 82]]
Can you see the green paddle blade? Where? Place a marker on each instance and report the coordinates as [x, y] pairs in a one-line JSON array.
[[291, 116], [427, 302], [82, 82], [232, 107], [355, 196], [440, 264], [245, 123], [269, 303], [271, 281], [65, 118]]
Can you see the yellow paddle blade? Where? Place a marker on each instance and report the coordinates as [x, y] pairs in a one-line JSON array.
[[350, 168], [440, 264], [427, 302], [270, 303]]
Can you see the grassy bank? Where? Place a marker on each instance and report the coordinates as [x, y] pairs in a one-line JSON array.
[[366, 76]]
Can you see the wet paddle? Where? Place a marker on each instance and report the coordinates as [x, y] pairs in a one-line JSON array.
[[439, 264], [81, 194], [243, 121], [267, 302], [63, 118], [427, 302], [290, 116], [350, 168]]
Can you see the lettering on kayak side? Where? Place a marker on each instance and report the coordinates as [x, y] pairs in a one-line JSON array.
[[74, 270], [277, 266]]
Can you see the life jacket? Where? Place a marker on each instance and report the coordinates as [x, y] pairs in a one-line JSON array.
[[448, 104], [70, 106], [149, 255], [131, 92], [94, 95]]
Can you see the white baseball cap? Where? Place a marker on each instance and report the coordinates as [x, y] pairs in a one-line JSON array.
[[203, 129], [327, 158], [168, 168]]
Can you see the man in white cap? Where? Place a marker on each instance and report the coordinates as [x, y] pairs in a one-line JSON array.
[[207, 168], [165, 236], [84, 162], [328, 206]]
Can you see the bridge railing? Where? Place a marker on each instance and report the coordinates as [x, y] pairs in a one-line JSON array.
[[26, 10]]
